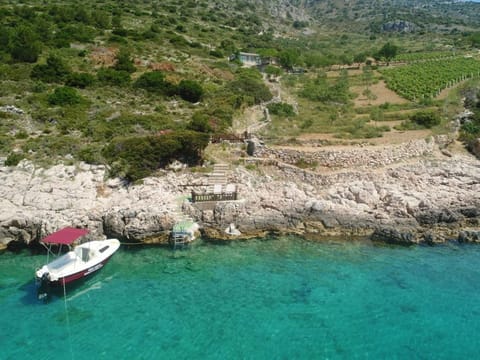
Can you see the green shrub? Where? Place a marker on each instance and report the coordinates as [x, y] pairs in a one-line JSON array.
[[78, 32], [281, 109], [24, 45], [55, 70], [190, 90], [14, 158], [363, 131], [65, 96], [138, 157], [117, 39], [408, 125], [22, 134], [427, 119], [219, 116], [109, 76], [250, 90], [273, 70], [14, 72], [5, 143], [90, 154], [52, 146], [216, 53], [319, 89], [125, 62], [120, 32], [80, 80], [200, 123], [153, 81], [297, 24], [39, 87], [127, 125], [469, 132], [304, 164], [178, 40], [306, 124]]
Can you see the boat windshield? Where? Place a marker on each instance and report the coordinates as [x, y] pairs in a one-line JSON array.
[[83, 253]]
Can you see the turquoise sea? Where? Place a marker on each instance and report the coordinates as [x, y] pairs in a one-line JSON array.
[[282, 298]]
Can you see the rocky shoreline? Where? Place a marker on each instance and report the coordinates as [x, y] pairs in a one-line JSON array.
[[418, 192]]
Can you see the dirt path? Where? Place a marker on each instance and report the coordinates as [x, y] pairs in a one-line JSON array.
[[444, 93], [254, 118], [251, 117]]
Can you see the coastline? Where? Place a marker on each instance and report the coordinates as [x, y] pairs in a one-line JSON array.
[[423, 191]]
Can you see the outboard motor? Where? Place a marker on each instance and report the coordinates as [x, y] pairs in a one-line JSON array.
[[43, 292]]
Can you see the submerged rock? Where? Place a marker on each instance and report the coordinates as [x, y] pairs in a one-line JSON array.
[[395, 236], [469, 236]]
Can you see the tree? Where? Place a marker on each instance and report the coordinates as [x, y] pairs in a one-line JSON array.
[[124, 62], [137, 157], [64, 96], [377, 115], [475, 39], [228, 45], [388, 52], [200, 123], [369, 95], [288, 58], [190, 90], [367, 76], [360, 57], [273, 71], [319, 89], [249, 90], [101, 19], [25, 46], [55, 70], [297, 24], [117, 20], [81, 15], [426, 118], [5, 35], [153, 81]]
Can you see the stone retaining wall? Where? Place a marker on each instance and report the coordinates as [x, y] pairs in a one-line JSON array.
[[357, 157]]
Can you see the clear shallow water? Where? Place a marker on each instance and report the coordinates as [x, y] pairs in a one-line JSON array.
[[267, 299]]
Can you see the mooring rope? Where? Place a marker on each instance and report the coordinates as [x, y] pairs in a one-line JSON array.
[[68, 320]]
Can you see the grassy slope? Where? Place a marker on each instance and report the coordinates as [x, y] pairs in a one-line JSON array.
[[184, 37]]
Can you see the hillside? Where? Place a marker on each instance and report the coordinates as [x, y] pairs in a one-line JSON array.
[[136, 85]]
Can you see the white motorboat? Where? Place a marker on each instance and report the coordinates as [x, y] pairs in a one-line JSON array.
[[84, 260]]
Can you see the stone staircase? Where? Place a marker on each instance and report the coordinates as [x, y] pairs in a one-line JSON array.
[[217, 178]]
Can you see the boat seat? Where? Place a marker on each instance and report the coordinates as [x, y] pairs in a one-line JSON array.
[[61, 261]]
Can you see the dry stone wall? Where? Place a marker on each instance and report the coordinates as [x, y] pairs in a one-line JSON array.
[[355, 157]]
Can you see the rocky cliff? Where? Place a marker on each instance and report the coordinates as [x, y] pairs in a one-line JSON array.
[[403, 194]]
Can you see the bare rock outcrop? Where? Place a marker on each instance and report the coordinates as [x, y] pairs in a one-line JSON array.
[[420, 197]]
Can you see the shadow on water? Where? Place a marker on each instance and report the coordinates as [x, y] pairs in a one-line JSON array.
[[31, 291]]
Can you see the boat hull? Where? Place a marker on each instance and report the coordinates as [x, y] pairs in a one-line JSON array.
[[85, 260], [78, 275]]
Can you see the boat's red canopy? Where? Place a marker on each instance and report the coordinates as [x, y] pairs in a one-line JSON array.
[[65, 236]]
